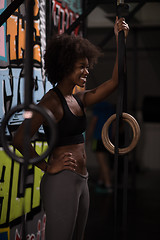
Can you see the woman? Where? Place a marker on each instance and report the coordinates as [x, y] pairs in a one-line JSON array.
[[64, 187]]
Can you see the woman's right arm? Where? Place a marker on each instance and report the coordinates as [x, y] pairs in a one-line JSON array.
[[19, 138]]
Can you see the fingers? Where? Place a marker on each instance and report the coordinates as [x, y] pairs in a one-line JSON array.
[[120, 25], [64, 161], [69, 162]]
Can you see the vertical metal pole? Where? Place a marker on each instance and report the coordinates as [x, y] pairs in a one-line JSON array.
[[121, 105], [49, 27], [29, 52], [134, 96], [29, 4]]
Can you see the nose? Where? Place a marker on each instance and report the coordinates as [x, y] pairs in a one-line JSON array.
[[86, 71]]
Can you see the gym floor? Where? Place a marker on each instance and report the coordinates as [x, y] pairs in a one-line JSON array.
[[143, 210]]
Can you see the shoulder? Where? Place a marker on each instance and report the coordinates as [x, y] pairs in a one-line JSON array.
[[51, 101], [87, 97], [81, 95], [50, 96]]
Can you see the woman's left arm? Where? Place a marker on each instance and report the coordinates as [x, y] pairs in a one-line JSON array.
[[105, 89]]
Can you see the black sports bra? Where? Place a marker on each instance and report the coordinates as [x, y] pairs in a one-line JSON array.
[[70, 127]]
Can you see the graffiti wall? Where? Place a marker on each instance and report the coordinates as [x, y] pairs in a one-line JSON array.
[[13, 202]]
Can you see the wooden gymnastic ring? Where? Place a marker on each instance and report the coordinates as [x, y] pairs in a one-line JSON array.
[[136, 134]]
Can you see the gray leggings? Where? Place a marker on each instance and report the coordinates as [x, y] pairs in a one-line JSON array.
[[65, 198]]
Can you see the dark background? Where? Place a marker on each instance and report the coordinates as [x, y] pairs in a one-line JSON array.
[[143, 100]]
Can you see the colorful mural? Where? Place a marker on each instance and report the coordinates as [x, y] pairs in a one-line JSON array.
[[13, 202]]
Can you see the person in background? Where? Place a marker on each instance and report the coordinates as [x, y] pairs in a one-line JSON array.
[[101, 112]]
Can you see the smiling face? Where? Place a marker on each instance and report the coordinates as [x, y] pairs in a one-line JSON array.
[[80, 72]]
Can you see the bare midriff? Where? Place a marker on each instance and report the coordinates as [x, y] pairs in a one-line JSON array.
[[78, 153]]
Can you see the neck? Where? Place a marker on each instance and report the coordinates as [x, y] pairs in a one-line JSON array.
[[65, 88]]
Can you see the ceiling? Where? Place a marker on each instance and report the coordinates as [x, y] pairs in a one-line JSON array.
[[141, 14]]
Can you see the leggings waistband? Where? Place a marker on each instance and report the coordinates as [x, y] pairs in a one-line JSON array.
[[79, 174]]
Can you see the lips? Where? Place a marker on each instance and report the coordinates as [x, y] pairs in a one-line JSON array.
[[83, 79]]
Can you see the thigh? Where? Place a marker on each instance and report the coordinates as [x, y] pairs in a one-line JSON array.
[[82, 215], [60, 200]]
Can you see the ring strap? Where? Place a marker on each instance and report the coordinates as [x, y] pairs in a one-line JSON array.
[[121, 104]]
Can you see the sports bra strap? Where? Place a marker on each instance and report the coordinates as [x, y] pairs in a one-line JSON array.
[[79, 102], [60, 95]]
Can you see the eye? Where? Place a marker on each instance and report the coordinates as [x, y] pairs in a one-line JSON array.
[[87, 68], [82, 66]]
